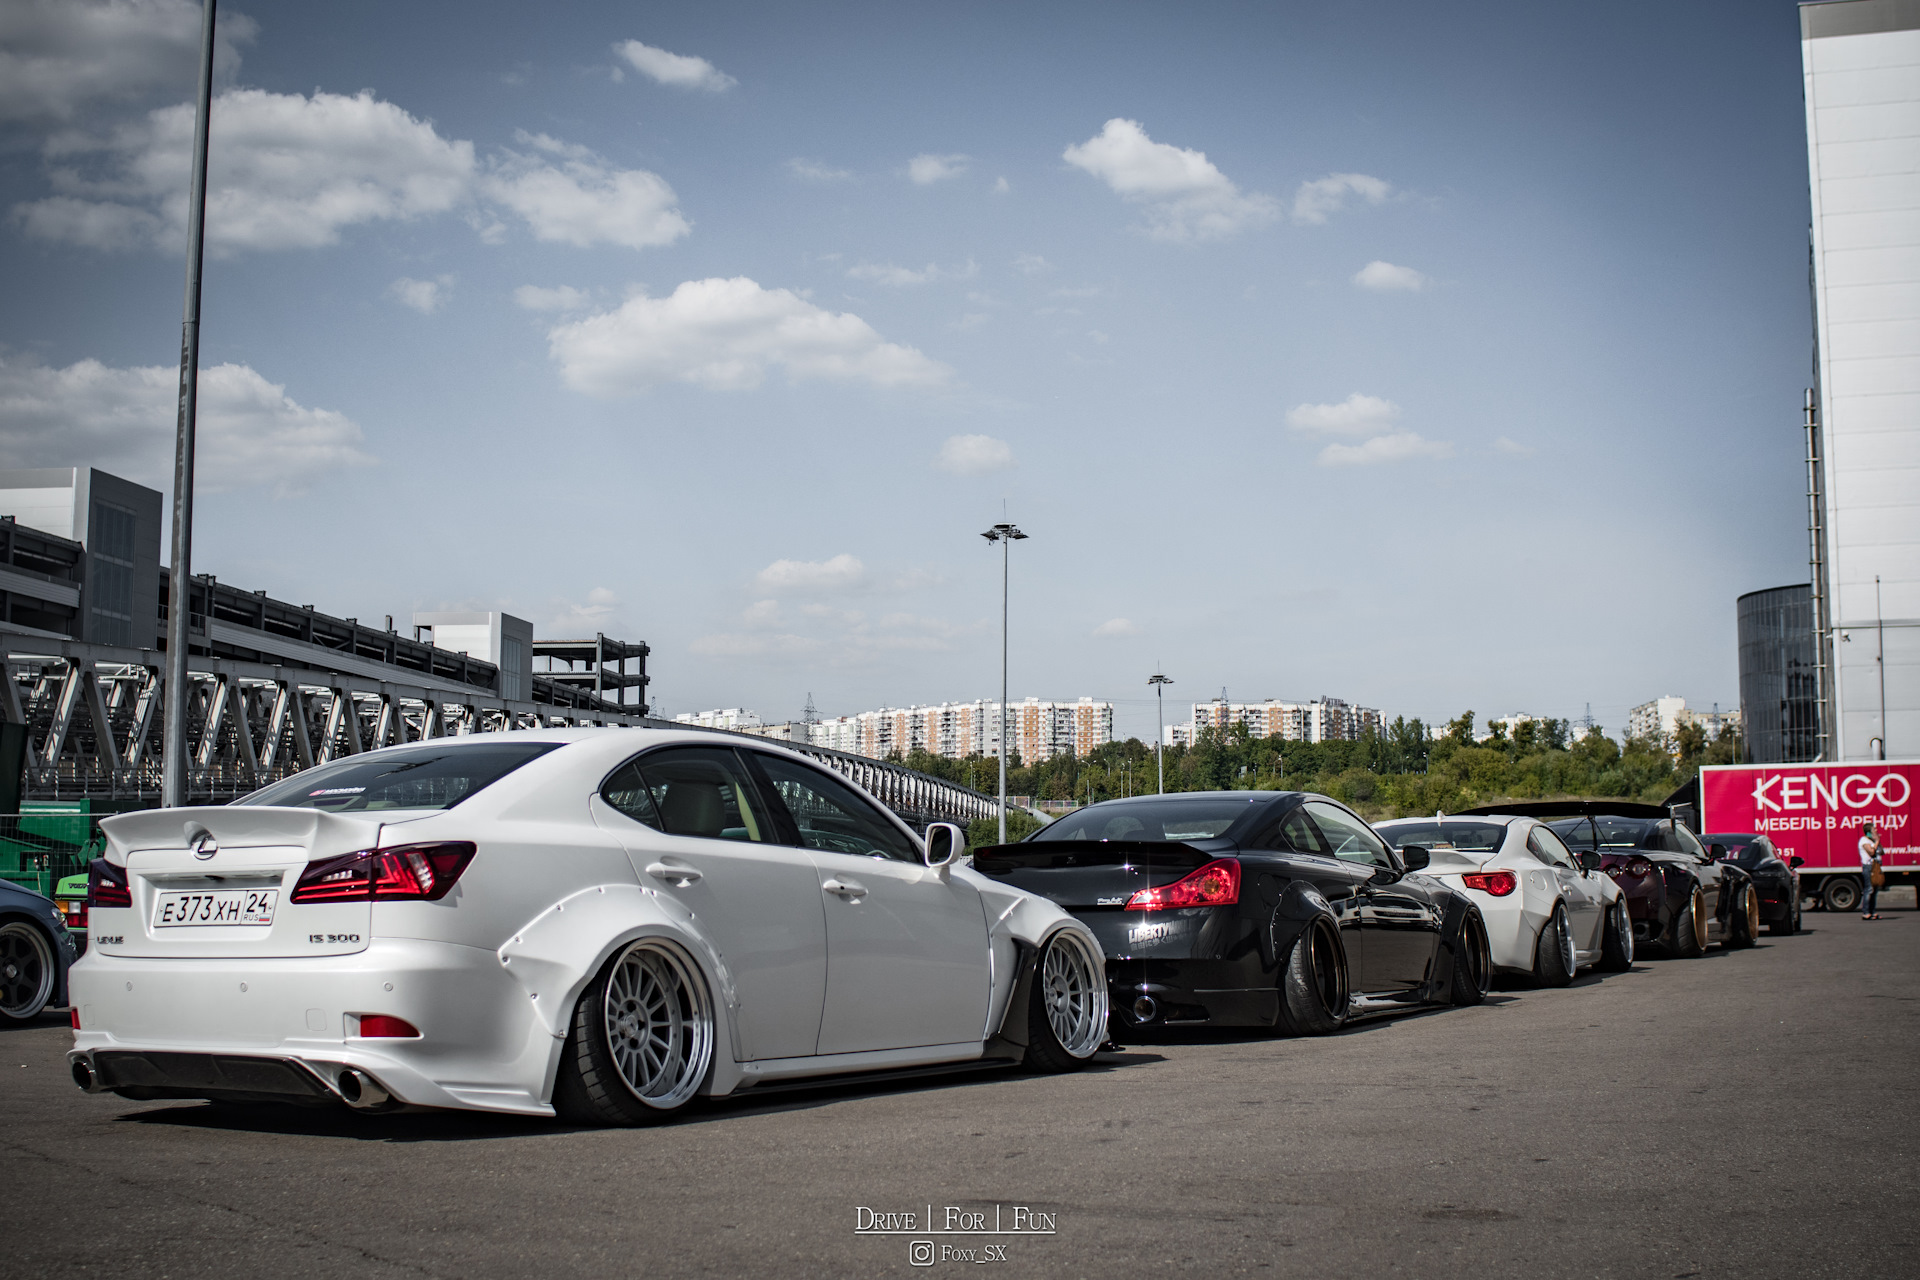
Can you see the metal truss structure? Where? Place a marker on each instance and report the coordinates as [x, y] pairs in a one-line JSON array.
[[94, 726]]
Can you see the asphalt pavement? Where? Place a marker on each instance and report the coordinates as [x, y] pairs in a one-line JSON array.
[[1744, 1114]]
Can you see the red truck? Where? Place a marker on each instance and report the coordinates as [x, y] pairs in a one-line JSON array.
[[1816, 812]]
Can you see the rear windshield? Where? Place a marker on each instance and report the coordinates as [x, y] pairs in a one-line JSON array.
[[1742, 851], [433, 776], [1468, 837], [1615, 833], [1169, 819]]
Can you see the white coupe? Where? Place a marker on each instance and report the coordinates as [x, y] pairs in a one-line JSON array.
[[1549, 913], [598, 923]]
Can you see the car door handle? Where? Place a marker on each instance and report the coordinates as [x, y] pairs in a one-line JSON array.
[[851, 890], [681, 876]]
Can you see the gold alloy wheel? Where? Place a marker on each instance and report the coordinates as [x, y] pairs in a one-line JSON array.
[[1699, 920], [1753, 914]]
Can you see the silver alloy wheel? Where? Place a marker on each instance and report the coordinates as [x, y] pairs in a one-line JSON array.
[[659, 1024], [1623, 927], [26, 970], [1075, 995], [1564, 941]]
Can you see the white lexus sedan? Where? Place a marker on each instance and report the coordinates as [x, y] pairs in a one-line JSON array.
[[1549, 914], [597, 923]]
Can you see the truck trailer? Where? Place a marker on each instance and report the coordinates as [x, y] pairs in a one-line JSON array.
[[1816, 812]]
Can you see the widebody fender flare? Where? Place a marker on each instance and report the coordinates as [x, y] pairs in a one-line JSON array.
[[558, 952], [1019, 924], [1300, 904]]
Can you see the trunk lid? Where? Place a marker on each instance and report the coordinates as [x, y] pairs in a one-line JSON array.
[[1091, 874], [218, 881]]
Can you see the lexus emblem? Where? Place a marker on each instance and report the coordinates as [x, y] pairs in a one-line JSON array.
[[205, 846]]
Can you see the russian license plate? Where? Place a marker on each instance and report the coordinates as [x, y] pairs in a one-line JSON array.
[[212, 907]]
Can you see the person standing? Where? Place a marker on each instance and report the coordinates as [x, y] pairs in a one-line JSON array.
[[1871, 877]]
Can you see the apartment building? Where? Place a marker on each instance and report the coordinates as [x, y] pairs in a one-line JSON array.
[[1322, 720], [1661, 719], [1041, 729]]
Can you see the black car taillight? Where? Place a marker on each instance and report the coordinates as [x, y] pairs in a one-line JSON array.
[[1215, 885], [107, 885], [408, 873]]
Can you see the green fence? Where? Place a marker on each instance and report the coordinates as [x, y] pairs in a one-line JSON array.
[[46, 843]]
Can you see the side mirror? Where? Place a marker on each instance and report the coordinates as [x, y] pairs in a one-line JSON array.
[[1415, 856], [1796, 861], [945, 843], [1715, 852], [1589, 861]]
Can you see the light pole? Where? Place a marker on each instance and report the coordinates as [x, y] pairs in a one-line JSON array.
[[1160, 683], [1006, 535], [175, 778]]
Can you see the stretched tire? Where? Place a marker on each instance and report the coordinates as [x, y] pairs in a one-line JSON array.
[[1313, 989], [1842, 893], [1690, 927], [1616, 944], [1743, 922], [1067, 1005], [641, 1043], [27, 971], [1472, 962], [1553, 957]]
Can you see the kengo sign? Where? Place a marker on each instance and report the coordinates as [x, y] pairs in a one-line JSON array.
[[1816, 810]]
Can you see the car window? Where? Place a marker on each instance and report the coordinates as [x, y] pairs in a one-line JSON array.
[[1346, 835], [1579, 833], [1688, 842], [831, 815], [428, 776], [1158, 818], [690, 791], [1467, 837], [1297, 832], [1546, 846]]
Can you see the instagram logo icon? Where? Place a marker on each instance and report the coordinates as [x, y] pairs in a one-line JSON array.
[[920, 1253]]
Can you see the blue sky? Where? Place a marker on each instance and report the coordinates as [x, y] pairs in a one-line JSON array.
[[1430, 356]]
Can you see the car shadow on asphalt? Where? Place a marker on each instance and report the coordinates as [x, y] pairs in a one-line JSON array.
[[336, 1121], [45, 1020]]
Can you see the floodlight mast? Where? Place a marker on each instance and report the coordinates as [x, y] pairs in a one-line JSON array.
[[175, 778], [1006, 535], [1160, 683]]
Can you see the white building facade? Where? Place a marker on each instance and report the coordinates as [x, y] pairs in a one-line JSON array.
[[1322, 720], [1041, 729], [1861, 60]]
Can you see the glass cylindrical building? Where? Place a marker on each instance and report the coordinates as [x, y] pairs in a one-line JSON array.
[[1779, 687]]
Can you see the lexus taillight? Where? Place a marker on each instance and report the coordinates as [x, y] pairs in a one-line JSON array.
[[408, 873], [107, 885], [1215, 885], [1497, 883]]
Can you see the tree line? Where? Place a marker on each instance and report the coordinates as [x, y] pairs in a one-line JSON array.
[[1405, 769]]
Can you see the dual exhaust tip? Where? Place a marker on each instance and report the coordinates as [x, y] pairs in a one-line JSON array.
[[356, 1088]]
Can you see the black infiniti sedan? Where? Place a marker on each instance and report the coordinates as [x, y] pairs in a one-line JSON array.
[[1775, 879], [1251, 908]]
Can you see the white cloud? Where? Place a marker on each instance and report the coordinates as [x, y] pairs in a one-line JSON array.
[[971, 320], [680, 70], [1185, 196], [975, 455], [1117, 627], [1357, 415], [285, 172], [59, 56], [559, 298], [761, 613], [1395, 447], [1384, 277], [424, 296], [1031, 264], [928, 169], [931, 274], [724, 334], [577, 620], [814, 577], [1001, 186], [1514, 447], [1323, 196], [577, 198], [250, 431], [759, 646], [814, 171]]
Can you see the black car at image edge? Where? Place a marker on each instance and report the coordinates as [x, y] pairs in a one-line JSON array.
[[1251, 908]]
